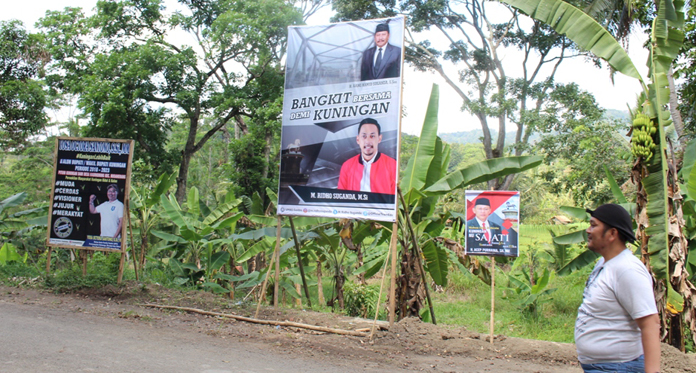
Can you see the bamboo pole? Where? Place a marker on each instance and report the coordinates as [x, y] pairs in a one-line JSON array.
[[265, 322], [265, 281], [299, 261], [392, 281], [418, 255], [492, 327]]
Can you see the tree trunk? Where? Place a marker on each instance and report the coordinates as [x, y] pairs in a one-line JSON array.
[[340, 280], [182, 179], [410, 292]]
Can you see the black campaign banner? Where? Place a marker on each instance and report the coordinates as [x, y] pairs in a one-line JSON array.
[[341, 120], [90, 183]]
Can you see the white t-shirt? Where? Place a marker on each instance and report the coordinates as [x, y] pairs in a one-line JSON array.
[[617, 293], [110, 213]]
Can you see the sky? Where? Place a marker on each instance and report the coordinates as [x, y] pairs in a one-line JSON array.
[[417, 85]]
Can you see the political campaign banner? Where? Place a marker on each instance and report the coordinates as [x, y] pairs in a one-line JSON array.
[[90, 184], [341, 120], [492, 224]]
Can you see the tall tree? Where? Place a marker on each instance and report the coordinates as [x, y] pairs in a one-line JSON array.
[[138, 67], [22, 95], [475, 45]]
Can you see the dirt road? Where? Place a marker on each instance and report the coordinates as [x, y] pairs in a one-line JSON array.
[[108, 330]]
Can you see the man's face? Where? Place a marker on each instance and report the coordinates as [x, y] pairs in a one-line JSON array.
[[381, 38], [482, 212], [597, 235], [111, 193], [368, 140]]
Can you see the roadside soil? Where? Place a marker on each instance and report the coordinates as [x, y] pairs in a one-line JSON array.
[[409, 345]]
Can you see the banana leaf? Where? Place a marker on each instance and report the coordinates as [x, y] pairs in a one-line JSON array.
[[575, 213], [483, 171], [13, 200], [193, 202], [417, 170], [582, 29], [586, 258], [571, 238], [615, 189], [436, 262]]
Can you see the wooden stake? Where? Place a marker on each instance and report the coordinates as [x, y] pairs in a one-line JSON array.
[[266, 322], [276, 253], [298, 301], [320, 285], [299, 262], [130, 229], [379, 297], [492, 298], [268, 273], [120, 267], [48, 260], [392, 288], [83, 254]]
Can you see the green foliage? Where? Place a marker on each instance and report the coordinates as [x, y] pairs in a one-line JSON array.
[[580, 27], [22, 95], [8, 253], [134, 73], [102, 269], [361, 300], [582, 144]]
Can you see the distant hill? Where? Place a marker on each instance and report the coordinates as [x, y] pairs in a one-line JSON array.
[[618, 114], [474, 136]]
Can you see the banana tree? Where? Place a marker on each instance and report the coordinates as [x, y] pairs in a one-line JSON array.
[[658, 213], [13, 226], [200, 235], [144, 201], [423, 182]]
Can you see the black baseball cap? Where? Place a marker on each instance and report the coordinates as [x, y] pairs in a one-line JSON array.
[[615, 216]]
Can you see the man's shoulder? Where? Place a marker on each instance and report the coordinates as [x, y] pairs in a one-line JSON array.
[[626, 260], [386, 159], [393, 47], [351, 161]]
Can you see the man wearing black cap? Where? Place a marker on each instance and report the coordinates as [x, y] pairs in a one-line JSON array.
[[617, 328], [481, 232], [383, 60]]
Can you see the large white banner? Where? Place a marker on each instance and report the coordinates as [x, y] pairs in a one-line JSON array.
[[341, 120]]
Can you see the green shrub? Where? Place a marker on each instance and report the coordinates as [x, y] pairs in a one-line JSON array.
[[361, 300]]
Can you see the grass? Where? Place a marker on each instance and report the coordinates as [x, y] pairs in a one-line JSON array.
[[467, 302]]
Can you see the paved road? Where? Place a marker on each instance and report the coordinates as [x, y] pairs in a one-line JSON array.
[[34, 338]]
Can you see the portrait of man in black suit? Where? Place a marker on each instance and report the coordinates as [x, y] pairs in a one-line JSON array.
[[480, 232], [382, 60]]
